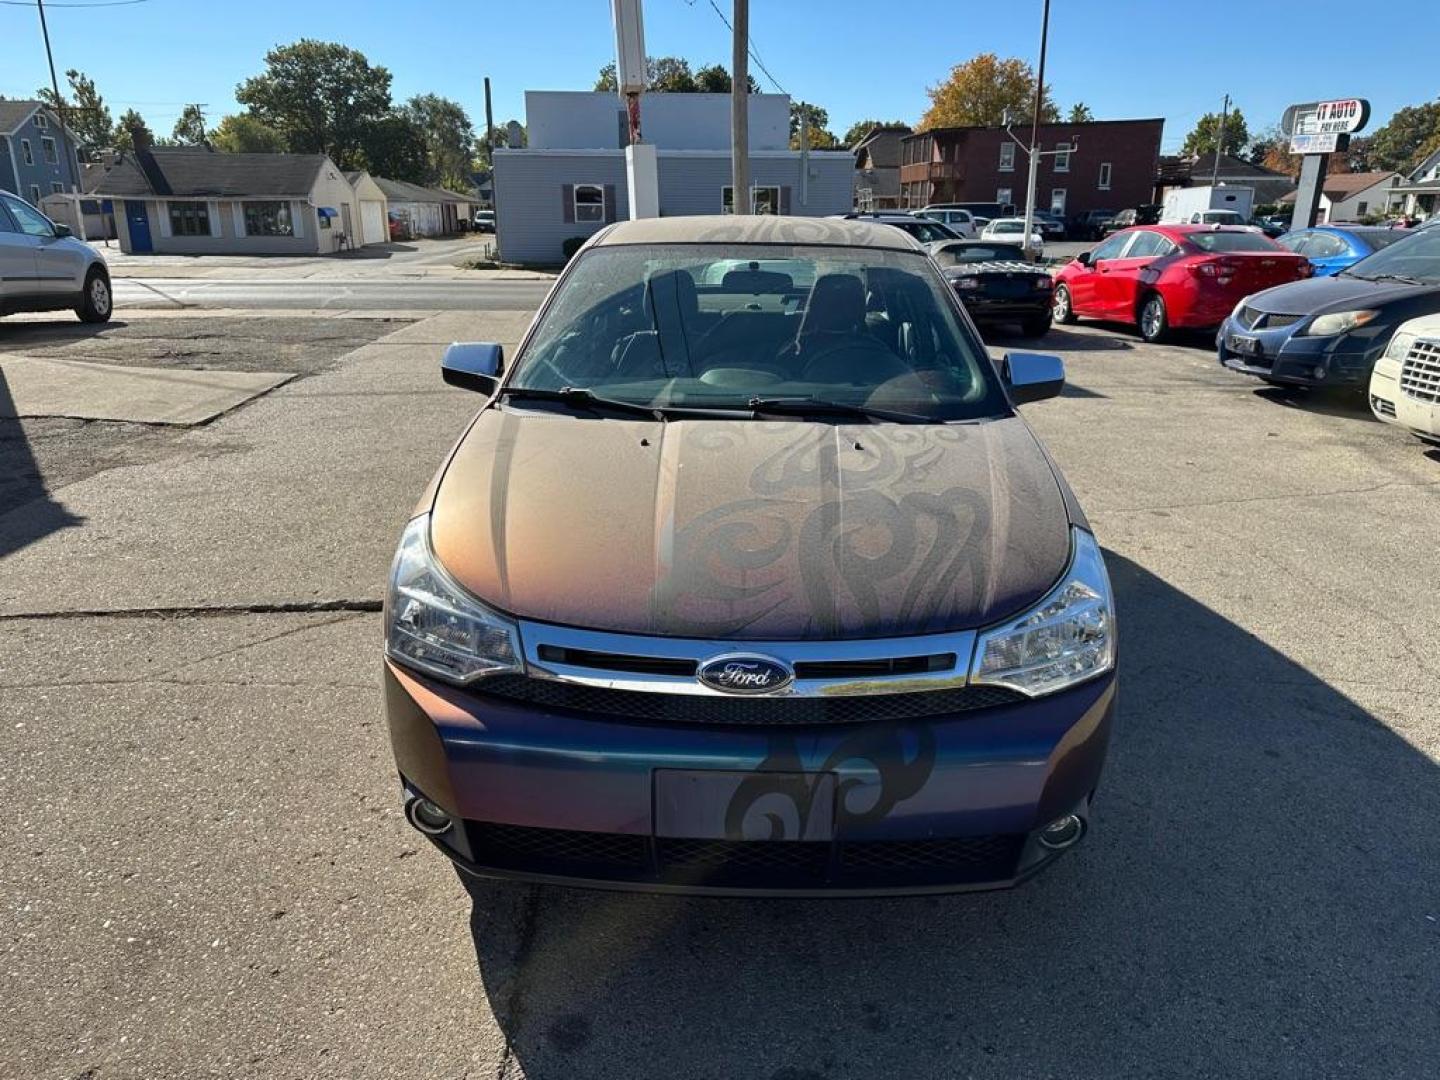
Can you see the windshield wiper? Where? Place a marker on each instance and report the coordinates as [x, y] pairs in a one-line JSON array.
[[818, 407], [579, 397], [1406, 278]]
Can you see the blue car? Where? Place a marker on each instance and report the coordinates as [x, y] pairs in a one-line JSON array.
[[1332, 248]]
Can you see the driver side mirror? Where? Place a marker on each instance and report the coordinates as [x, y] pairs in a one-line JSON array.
[[1032, 376], [473, 365], [63, 230], [1083, 258]]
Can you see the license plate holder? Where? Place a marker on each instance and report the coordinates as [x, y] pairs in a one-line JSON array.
[[714, 804], [1244, 345]]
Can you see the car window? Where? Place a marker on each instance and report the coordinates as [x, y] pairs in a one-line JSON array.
[[877, 328], [1111, 248], [927, 232], [1416, 256], [1230, 241], [1147, 245], [1379, 238], [961, 254], [1326, 246], [1298, 242], [29, 219], [7, 224]]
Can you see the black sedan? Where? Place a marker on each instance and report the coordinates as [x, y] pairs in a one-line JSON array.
[[1329, 331], [996, 283]]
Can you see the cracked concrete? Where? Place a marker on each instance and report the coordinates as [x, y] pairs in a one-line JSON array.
[[206, 872]]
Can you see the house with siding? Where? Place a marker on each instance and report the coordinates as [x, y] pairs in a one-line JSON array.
[[193, 201], [877, 167], [1353, 196], [374, 225], [33, 161], [1418, 194], [570, 180], [425, 211]]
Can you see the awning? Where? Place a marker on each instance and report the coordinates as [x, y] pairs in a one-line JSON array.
[[328, 211]]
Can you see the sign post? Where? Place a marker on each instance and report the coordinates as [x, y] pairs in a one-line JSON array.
[[1318, 129]]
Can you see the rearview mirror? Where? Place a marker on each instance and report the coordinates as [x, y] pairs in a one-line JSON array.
[[63, 230], [1083, 258], [473, 365], [1032, 376]]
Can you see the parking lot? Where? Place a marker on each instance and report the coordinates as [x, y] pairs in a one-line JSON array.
[[206, 872]]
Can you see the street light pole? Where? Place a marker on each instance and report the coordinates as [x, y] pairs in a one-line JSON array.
[[1035, 129], [1220, 141], [740, 109]]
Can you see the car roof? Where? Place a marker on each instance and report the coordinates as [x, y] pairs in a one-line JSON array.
[[758, 229]]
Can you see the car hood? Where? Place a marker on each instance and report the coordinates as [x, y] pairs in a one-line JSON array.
[[751, 529], [1321, 294]]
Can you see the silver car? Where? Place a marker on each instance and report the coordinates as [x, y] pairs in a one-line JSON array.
[[44, 268]]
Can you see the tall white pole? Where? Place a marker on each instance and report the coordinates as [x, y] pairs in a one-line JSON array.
[[740, 108]]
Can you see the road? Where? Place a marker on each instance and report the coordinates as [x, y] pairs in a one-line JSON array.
[[204, 871], [380, 294]]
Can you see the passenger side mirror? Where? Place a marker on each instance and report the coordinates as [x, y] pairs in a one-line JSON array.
[[1083, 258], [473, 365], [63, 230], [1032, 376]]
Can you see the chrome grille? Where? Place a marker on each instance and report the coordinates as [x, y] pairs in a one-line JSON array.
[[1255, 319], [1420, 374]]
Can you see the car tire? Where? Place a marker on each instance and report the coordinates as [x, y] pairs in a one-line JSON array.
[[96, 300], [1154, 320], [1061, 309], [1036, 327]]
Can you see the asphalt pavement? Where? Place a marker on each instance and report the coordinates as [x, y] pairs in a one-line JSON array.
[[356, 294], [205, 871]]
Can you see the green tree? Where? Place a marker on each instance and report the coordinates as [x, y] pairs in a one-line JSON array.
[[323, 98], [85, 110], [1201, 139], [449, 138], [858, 130], [190, 128], [1079, 114], [818, 120], [395, 148], [671, 74], [241, 133], [500, 135], [1406, 138], [129, 120], [716, 79], [982, 90]]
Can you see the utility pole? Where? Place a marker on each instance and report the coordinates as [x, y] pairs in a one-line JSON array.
[[67, 153], [1035, 129], [740, 108], [1220, 141], [490, 146]]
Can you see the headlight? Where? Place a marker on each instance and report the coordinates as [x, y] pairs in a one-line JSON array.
[[1339, 323], [965, 284], [1399, 346], [1235, 311], [1044, 281], [433, 625], [1065, 639]]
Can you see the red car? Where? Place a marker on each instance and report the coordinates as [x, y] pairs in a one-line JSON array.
[[1165, 276]]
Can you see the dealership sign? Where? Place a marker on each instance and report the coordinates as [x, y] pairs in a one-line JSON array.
[[1321, 127]]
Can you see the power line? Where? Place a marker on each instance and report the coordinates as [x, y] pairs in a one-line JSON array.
[[749, 46], [92, 4]]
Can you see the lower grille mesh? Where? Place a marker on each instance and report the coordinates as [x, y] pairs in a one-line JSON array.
[[625, 857], [694, 709]]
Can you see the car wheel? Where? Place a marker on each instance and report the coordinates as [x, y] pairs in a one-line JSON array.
[[95, 300], [1039, 326], [1154, 323], [1061, 310]]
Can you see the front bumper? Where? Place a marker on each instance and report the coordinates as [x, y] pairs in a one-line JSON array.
[[1300, 360], [1391, 405], [939, 804], [1032, 305]]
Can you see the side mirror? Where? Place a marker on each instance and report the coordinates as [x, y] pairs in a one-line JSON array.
[[63, 230], [1083, 258], [1032, 376], [473, 365]]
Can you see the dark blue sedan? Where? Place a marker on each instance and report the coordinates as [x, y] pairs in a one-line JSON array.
[[1332, 248]]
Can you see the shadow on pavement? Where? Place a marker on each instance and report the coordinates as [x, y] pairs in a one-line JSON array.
[[1257, 899], [1343, 404], [376, 251], [27, 512], [1068, 340], [58, 331]]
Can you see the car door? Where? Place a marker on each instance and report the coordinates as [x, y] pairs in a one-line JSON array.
[[1329, 254], [18, 273], [1119, 285], [58, 264], [1084, 286]]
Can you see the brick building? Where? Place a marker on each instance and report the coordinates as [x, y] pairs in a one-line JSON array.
[[1112, 166]]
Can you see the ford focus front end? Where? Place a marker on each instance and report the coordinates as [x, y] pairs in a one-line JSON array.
[[752, 587]]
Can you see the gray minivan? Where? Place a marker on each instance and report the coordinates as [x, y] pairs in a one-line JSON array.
[[44, 268]]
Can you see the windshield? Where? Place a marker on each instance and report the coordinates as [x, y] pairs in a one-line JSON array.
[[960, 254], [1416, 256], [703, 327], [1232, 241], [1221, 217], [927, 231]]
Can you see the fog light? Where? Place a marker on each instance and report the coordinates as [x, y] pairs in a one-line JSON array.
[[1062, 832], [428, 817], [1318, 372]]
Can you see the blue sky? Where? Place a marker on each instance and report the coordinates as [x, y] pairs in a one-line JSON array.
[[1124, 58]]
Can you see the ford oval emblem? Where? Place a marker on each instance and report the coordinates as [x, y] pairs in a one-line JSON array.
[[746, 674]]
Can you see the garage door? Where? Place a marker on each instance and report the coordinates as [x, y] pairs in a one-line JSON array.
[[372, 222]]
